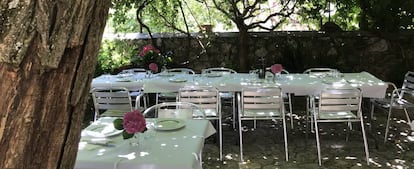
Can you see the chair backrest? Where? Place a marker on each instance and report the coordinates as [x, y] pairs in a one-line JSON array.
[[134, 70], [184, 110], [221, 70], [118, 99], [262, 98], [180, 71], [205, 97], [340, 100], [408, 82]]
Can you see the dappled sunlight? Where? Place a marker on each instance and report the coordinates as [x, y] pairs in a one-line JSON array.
[[129, 156], [372, 162]]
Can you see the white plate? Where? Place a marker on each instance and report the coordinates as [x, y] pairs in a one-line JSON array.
[[169, 124], [213, 74], [177, 80], [101, 131], [123, 80], [165, 74]]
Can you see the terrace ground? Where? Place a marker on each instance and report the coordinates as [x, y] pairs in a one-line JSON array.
[[264, 146]]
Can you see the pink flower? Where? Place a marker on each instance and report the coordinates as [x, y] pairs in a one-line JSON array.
[[153, 67], [148, 48], [134, 122], [276, 68]]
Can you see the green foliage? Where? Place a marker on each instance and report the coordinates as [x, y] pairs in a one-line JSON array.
[[122, 16], [114, 54], [391, 15], [316, 12], [126, 135], [166, 16], [118, 124], [383, 15]]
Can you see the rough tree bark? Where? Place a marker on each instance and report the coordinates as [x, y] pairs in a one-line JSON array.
[[48, 52]]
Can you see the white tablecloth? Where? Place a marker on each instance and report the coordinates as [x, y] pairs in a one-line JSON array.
[[176, 149], [298, 84]]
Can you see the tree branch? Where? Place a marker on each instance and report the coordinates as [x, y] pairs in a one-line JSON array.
[[139, 10]]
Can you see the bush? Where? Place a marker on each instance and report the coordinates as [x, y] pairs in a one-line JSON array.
[[113, 55]]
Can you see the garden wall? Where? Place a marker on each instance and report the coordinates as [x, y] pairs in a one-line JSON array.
[[388, 57]]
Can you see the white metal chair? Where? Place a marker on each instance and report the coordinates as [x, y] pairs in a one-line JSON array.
[[400, 98], [136, 94], [226, 96], [287, 97], [140, 98], [208, 99], [172, 96], [265, 103], [115, 101], [339, 105], [184, 110], [317, 72]]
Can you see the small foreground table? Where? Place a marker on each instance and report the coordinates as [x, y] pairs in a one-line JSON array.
[[168, 149]]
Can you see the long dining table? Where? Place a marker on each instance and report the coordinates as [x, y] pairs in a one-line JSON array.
[[295, 83], [177, 144]]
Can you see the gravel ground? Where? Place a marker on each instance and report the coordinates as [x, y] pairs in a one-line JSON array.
[[264, 146]]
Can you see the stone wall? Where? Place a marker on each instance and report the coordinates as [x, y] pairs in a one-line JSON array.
[[388, 57]]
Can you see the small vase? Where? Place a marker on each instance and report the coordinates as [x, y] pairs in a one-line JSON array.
[[277, 76], [134, 141], [262, 74], [148, 74]]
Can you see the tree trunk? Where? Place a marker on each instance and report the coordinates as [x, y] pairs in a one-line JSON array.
[[48, 56], [243, 50]]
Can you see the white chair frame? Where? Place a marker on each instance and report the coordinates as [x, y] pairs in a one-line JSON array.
[[196, 111], [339, 105], [320, 71], [208, 99], [111, 99], [172, 96], [396, 98], [224, 95], [265, 103]]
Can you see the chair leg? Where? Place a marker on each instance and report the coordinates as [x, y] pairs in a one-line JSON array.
[[234, 111], [310, 107], [290, 110], [221, 138], [372, 111], [388, 124], [286, 140], [241, 140], [365, 141], [96, 115], [372, 116], [408, 116], [156, 98], [318, 146]]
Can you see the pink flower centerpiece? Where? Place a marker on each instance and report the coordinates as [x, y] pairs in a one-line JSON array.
[[153, 67], [133, 122], [150, 58], [276, 68], [148, 49]]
